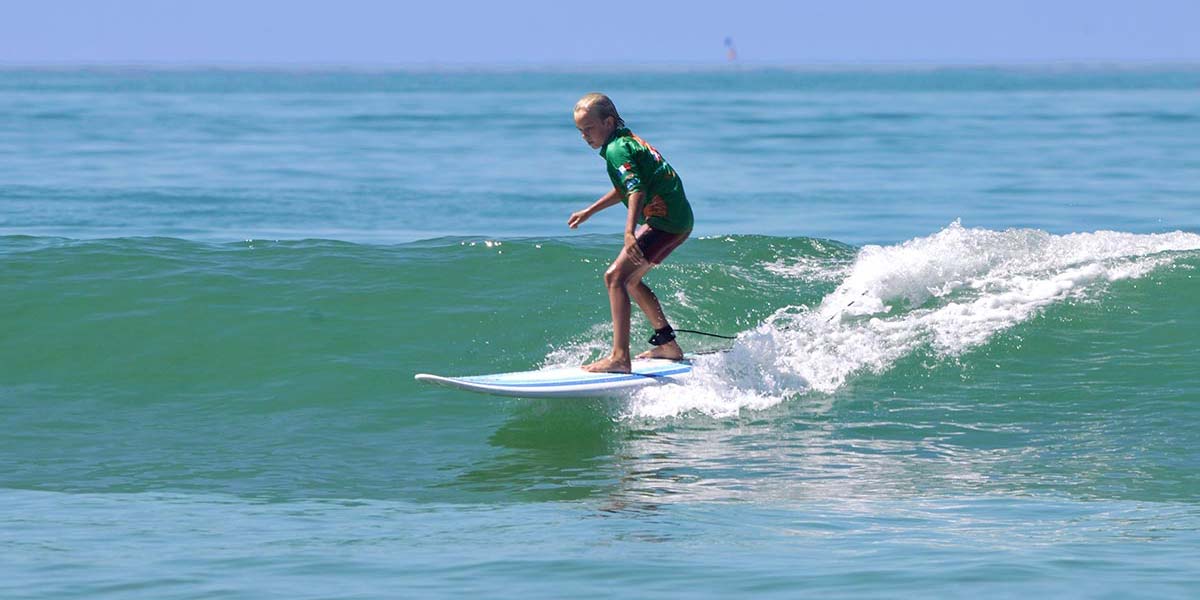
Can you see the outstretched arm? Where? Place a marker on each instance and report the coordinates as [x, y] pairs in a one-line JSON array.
[[612, 197]]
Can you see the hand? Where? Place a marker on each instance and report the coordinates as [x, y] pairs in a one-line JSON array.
[[577, 218], [632, 249]]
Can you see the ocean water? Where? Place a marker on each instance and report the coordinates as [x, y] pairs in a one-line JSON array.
[[965, 302]]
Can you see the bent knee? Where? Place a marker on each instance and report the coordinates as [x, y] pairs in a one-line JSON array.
[[616, 278]]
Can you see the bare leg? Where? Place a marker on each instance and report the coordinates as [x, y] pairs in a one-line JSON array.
[[650, 305], [617, 279]]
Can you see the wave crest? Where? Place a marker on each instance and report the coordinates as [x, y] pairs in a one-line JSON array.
[[949, 292]]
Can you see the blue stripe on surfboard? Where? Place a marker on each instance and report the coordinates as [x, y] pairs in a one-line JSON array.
[[623, 377]]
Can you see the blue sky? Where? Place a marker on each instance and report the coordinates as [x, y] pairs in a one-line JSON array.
[[375, 32]]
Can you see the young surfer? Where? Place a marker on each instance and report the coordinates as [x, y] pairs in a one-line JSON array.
[[653, 194]]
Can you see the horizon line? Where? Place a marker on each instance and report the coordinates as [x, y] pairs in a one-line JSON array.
[[882, 64]]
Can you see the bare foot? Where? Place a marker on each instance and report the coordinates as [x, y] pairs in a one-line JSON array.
[[612, 364], [669, 351]]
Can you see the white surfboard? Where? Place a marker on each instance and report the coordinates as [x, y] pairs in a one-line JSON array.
[[569, 382]]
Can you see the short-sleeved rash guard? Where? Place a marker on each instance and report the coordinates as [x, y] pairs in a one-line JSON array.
[[634, 165]]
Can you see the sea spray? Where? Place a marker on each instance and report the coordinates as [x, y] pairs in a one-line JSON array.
[[949, 292]]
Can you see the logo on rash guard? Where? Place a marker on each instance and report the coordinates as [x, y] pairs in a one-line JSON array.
[[628, 176]]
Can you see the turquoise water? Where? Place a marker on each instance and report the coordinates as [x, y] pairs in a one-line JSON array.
[[964, 301]]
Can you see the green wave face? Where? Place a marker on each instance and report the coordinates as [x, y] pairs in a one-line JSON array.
[[1013, 360], [811, 315]]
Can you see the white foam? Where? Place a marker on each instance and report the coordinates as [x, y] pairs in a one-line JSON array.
[[949, 292], [806, 268], [594, 343]]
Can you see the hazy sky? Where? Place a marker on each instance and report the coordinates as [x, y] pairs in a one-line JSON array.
[[375, 32]]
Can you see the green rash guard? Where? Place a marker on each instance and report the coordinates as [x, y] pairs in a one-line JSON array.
[[634, 165]]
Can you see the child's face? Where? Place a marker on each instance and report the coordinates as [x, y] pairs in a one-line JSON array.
[[595, 131]]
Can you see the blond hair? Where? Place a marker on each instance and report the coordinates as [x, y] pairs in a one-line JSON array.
[[599, 105]]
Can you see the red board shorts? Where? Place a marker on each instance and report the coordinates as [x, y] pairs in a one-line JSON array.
[[656, 244]]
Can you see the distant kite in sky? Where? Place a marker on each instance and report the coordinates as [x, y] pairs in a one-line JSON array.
[[730, 50]]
